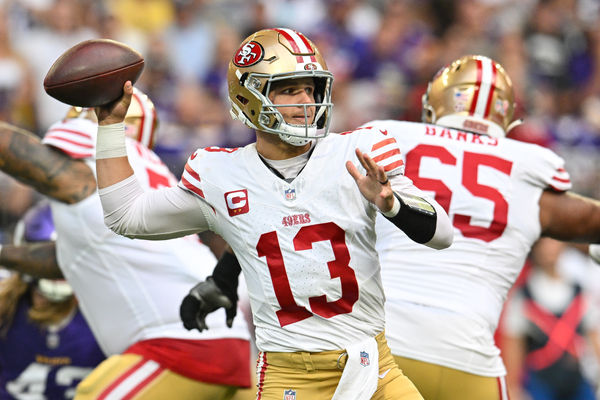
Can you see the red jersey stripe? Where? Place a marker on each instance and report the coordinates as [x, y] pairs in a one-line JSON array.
[[383, 143], [191, 187], [193, 173], [387, 154], [71, 141], [561, 180], [85, 135], [393, 165]]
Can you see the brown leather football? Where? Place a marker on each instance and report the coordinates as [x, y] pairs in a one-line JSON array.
[[92, 73]]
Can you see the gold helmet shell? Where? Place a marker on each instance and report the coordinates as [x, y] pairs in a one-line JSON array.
[[141, 121], [268, 56], [473, 93]]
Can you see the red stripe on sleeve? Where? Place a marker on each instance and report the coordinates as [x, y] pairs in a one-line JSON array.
[[382, 143], [64, 139], [191, 187], [85, 135], [387, 154], [193, 173], [393, 165]]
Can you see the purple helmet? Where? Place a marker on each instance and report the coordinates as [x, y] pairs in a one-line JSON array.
[[37, 226]]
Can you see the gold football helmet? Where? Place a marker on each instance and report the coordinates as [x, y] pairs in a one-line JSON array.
[[273, 55], [141, 121], [473, 93]]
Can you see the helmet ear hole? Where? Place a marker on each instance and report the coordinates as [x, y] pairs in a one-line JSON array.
[[242, 99]]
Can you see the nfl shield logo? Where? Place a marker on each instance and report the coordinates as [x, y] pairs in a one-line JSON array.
[[290, 194], [364, 359], [289, 394]]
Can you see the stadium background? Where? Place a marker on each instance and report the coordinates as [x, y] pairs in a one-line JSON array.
[[382, 54]]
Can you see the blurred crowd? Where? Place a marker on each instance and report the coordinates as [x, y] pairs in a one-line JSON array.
[[382, 53]]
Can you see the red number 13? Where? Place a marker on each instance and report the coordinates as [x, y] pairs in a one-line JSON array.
[[290, 312]]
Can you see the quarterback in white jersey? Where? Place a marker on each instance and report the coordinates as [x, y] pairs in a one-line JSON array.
[[298, 213], [442, 308], [130, 290]]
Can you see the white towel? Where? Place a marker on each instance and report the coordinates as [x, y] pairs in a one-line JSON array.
[[360, 376]]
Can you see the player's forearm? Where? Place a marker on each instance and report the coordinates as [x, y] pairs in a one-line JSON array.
[[569, 216], [50, 172], [112, 165], [35, 259], [421, 218], [156, 214]]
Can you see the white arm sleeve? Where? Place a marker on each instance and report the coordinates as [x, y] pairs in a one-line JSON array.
[[444, 233], [157, 214]]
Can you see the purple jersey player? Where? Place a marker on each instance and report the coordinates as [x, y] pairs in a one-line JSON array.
[[46, 347]]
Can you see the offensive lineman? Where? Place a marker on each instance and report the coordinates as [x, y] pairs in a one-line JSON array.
[[501, 195], [118, 280], [299, 215]]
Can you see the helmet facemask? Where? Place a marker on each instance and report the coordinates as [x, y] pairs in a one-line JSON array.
[[271, 120]]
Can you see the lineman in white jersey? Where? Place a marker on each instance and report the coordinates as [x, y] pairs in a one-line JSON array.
[[128, 290], [299, 215], [501, 195]]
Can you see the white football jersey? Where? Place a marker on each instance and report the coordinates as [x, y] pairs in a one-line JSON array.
[[443, 306], [307, 248], [128, 289]]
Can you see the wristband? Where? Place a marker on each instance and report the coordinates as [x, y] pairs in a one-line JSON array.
[[394, 210], [110, 141]]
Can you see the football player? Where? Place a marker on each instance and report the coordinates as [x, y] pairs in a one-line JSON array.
[[298, 208], [46, 346], [129, 290], [501, 195]]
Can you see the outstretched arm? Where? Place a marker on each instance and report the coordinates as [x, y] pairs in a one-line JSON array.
[[35, 259], [570, 217], [42, 167], [421, 220]]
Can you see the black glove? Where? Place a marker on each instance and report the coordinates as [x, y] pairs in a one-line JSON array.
[[203, 299], [219, 290]]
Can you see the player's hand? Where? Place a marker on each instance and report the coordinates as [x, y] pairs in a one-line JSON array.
[[375, 185], [115, 111], [203, 299]]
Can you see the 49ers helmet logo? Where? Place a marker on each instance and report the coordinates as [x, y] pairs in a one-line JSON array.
[[249, 54]]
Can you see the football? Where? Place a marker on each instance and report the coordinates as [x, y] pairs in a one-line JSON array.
[[93, 72]]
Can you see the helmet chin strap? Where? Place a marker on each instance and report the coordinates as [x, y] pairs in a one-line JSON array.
[[297, 135]]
